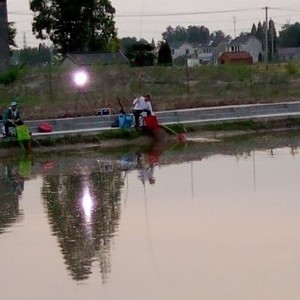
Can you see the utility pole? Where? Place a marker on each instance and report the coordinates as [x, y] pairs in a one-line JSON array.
[[272, 39], [234, 26], [4, 39], [266, 36], [24, 41]]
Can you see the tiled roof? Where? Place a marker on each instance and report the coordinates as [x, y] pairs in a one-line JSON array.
[[241, 40], [97, 58], [289, 51]]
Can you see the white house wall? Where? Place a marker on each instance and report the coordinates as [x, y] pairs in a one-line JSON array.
[[254, 47], [182, 51]]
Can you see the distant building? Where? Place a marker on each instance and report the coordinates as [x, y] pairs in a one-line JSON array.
[[93, 58], [205, 53], [209, 53], [183, 49], [249, 44], [287, 54]]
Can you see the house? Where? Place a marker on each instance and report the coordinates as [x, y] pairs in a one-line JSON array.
[[93, 58], [183, 49], [236, 58], [205, 53], [211, 51], [219, 49], [286, 54], [248, 43]]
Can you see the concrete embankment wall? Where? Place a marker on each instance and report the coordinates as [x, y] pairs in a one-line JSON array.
[[185, 116]]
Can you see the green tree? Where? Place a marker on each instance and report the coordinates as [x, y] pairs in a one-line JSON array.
[[272, 40], [192, 34], [164, 54], [253, 30], [126, 42], [244, 33], [260, 33], [74, 25], [197, 34], [34, 56], [140, 54], [12, 35], [178, 34], [218, 36], [289, 36]]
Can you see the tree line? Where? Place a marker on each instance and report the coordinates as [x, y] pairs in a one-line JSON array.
[[82, 26]]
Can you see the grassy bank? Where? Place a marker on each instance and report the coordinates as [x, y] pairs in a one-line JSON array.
[[130, 137], [49, 92]]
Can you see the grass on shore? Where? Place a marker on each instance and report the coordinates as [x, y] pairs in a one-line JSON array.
[[243, 127], [49, 92]]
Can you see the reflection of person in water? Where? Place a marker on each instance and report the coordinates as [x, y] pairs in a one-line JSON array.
[[145, 168], [11, 187], [15, 181], [15, 175], [147, 174]]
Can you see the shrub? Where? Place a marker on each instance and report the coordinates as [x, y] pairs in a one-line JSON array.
[[10, 76], [291, 69]]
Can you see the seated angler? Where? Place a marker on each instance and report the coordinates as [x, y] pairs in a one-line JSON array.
[[12, 117], [141, 104]]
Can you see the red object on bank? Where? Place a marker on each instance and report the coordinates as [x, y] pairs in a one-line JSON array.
[[45, 127], [151, 123]]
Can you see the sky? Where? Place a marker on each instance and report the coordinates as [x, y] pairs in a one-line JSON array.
[[149, 19]]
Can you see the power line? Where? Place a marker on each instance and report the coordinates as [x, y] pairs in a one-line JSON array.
[[23, 12], [161, 16], [200, 12], [185, 13]]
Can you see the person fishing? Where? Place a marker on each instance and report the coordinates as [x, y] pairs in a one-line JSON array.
[[12, 118], [142, 104]]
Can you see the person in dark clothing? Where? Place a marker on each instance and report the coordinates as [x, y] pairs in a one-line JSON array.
[[12, 117]]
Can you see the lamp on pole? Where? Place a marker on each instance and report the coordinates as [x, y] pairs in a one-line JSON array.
[[80, 80]]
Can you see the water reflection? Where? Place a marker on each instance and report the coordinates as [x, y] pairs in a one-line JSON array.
[[145, 163], [184, 231], [84, 211], [82, 198], [13, 174]]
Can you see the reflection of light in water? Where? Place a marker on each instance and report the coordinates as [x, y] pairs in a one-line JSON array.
[[87, 204]]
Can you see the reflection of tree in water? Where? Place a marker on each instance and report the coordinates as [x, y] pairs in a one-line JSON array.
[[11, 188], [84, 211]]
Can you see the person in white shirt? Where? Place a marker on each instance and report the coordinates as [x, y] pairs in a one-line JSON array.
[[142, 104]]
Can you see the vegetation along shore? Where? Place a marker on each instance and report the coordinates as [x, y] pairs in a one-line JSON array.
[[48, 92]]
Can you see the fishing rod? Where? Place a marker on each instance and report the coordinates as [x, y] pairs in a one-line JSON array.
[[122, 111], [180, 136]]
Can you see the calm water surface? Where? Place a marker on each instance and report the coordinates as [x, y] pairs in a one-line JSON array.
[[207, 222]]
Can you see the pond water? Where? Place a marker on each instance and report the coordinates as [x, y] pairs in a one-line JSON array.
[[214, 221]]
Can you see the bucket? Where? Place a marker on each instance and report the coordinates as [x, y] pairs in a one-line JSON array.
[[125, 121], [151, 123], [45, 127], [23, 133]]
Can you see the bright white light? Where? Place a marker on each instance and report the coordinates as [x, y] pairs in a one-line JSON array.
[[80, 78], [87, 204]]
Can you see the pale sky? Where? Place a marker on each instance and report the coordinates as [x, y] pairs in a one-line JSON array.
[[149, 19]]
